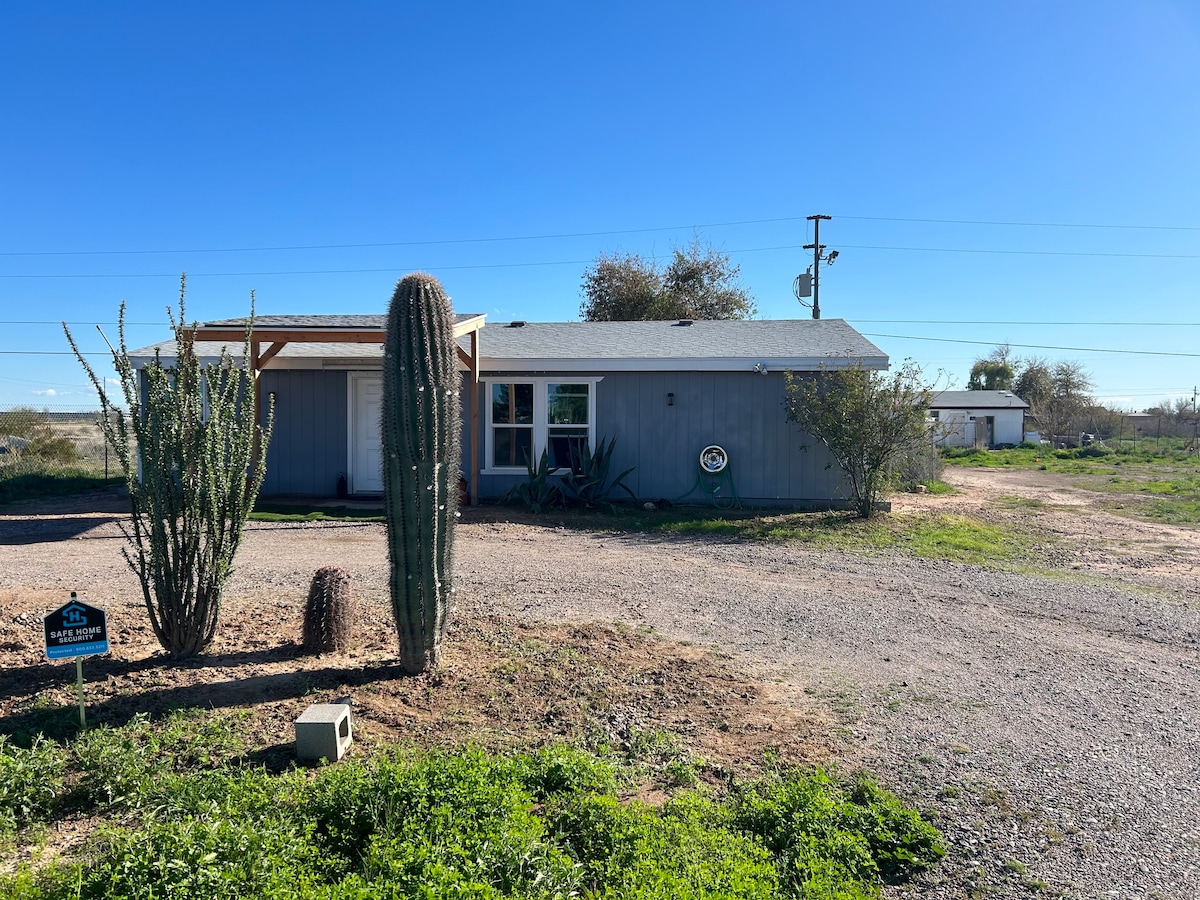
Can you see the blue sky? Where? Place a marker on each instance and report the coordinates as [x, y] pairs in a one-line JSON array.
[[504, 146]]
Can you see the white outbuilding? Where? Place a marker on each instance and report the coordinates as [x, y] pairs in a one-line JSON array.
[[978, 418]]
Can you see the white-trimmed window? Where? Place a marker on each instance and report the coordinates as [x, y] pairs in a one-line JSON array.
[[528, 415]]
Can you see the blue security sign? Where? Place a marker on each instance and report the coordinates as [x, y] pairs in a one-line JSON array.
[[76, 629]]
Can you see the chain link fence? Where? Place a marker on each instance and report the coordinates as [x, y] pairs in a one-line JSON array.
[[55, 442]]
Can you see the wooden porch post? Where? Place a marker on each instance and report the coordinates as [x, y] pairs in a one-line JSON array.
[[474, 476], [255, 369]]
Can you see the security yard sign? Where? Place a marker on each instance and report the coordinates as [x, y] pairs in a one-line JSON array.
[[76, 629]]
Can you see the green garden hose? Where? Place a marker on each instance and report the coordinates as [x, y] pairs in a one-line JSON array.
[[714, 477]]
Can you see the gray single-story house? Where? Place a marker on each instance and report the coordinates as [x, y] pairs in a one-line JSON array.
[[664, 391], [978, 418]]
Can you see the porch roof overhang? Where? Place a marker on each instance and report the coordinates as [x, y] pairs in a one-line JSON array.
[[279, 331]]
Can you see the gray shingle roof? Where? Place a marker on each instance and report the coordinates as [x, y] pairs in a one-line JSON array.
[[580, 346], [977, 400], [370, 320], [737, 339]]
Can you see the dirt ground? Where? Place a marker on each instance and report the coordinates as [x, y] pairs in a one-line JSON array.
[[1048, 720], [1078, 518]]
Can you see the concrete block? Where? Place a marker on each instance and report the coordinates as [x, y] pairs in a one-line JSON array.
[[324, 731]]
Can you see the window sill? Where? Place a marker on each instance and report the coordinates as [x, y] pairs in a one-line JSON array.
[[561, 470]]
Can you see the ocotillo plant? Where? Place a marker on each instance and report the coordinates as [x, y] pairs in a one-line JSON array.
[[329, 611], [185, 441], [420, 431]]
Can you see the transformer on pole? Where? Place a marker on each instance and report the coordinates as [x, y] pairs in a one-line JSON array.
[[808, 284]]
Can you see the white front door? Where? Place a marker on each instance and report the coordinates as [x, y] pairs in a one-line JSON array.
[[366, 453]]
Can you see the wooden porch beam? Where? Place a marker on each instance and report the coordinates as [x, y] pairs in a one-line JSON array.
[[267, 356], [471, 361]]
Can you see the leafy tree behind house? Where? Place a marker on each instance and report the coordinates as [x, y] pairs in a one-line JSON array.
[[869, 421], [700, 282], [992, 373], [193, 477], [1070, 395], [1034, 384], [1058, 393]]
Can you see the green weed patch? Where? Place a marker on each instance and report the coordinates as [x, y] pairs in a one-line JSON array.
[[1185, 485], [281, 512], [1175, 512], [446, 823], [963, 539], [939, 487], [1092, 460]]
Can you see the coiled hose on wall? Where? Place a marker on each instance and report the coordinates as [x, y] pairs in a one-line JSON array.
[[714, 477]]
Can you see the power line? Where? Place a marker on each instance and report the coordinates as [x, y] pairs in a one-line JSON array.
[[579, 234], [53, 353], [562, 262], [1024, 224], [485, 240], [1000, 322], [58, 323], [1024, 252], [165, 324], [910, 337], [577, 262]]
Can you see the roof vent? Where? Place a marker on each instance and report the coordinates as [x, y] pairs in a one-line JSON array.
[[520, 323], [684, 322]]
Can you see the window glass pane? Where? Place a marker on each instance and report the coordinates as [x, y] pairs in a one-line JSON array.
[[512, 404], [511, 446], [567, 404], [566, 445]]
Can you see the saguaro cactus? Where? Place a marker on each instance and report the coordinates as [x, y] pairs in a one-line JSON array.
[[329, 612], [420, 431]]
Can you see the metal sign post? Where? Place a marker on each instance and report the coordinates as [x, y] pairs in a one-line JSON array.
[[76, 630]]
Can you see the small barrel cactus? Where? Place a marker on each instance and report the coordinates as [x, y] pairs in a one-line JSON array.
[[329, 612], [420, 432]]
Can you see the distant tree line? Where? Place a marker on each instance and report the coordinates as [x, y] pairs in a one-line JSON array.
[[1061, 403], [1058, 393]]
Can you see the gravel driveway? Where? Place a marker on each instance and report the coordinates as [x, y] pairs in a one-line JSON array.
[[1052, 725]]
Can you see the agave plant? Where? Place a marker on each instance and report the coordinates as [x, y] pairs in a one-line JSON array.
[[537, 491], [588, 482]]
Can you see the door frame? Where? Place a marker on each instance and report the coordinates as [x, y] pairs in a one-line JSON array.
[[354, 381]]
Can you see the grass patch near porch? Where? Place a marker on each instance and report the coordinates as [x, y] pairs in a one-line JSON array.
[[929, 536], [283, 512]]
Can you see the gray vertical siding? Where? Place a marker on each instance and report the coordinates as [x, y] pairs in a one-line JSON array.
[[308, 449], [741, 411]]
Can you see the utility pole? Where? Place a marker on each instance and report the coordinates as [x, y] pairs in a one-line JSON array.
[[816, 247], [1195, 423]]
